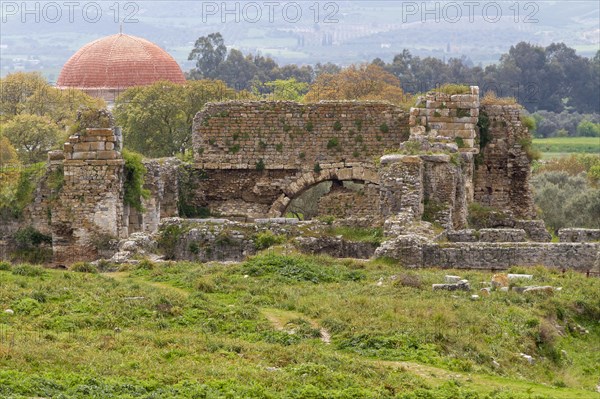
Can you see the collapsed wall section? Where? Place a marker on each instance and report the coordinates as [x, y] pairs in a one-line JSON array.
[[503, 169], [89, 209], [291, 136]]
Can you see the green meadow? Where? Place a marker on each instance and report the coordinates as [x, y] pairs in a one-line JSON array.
[[562, 146], [285, 325]]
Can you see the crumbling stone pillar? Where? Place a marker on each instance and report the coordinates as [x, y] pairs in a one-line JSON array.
[[503, 168], [401, 185], [89, 211]]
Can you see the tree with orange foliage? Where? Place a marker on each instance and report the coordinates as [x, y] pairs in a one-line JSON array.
[[368, 82]]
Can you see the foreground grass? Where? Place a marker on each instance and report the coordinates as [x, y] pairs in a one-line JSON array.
[[190, 330], [568, 145]]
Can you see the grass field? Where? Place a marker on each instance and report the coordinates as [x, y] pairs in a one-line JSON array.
[[292, 326], [568, 145]]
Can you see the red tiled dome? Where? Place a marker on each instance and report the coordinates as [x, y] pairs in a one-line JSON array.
[[119, 61]]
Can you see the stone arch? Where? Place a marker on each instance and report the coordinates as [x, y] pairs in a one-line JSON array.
[[306, 180]]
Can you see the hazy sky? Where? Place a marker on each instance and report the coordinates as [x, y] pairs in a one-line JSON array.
[[42, 35]]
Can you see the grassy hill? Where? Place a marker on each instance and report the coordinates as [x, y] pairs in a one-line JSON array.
[[292, 326]]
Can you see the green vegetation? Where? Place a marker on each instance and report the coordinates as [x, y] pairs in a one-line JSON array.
[[333, 143], [309, 127], [484, 217], [32, 246], [17, 186], [452, 89], [372, 235], [431, 210], [384, 128], [134, 180], [590, 145], [260, 165], [337, 126], [268, 239], [532, 153], [317, 168], [567, 200], [188, 330]]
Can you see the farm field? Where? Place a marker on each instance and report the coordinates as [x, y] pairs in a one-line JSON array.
[[567, 145], [284, 325]]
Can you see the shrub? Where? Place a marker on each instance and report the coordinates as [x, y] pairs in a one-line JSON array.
[[298, 268], [527, 145], [452, 88], [260, 165], [566, 201], [25, 269], [384, 128], [83, 267], [337, 126], [145, 264], [317, 168], [234, 149], [168, 240], [5, 266], [459, 142], [29, 237], [267, 239], [309, 127], [332, 143], [134, 180]]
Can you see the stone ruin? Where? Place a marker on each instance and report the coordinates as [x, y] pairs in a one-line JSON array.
[[417, 173]]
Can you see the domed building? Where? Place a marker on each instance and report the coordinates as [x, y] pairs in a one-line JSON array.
[[107, 66]]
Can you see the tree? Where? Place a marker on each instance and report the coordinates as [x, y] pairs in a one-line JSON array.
[[8, 154], [289, 89], [32, 136], [588, 129], [238, 71], [29, 93], [209, 52], [364, 82], [157, 119]]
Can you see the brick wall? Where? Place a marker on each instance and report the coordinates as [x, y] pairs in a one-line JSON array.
[[289, 135]]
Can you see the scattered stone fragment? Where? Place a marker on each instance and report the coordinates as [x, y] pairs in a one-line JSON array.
[[539, 289], [519, 290], [529, 358], [485, 291], [499, 280], [474, 297], [504, 289], [379, 282], [495, 364], [462, 285], [452, 279], [9, 311]]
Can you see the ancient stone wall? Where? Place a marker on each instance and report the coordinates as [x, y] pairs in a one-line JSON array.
[[502, 169], [162, 182], [89, 209], [447, 118], [293, 136], [345, 203], [568, 256]]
